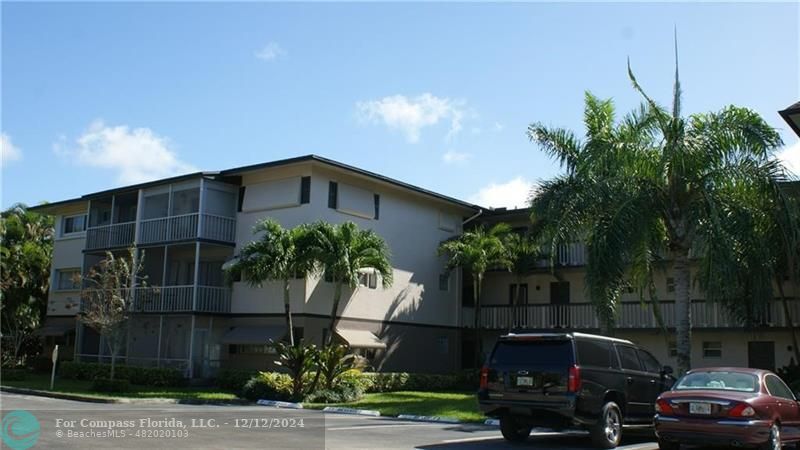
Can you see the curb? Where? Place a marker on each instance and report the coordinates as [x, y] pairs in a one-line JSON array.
[[279, 404], [359, 412], [437, 419], [60, 395], [121, 400]]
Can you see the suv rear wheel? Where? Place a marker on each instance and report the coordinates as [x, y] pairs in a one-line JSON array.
[[607, 431], [513, 430]]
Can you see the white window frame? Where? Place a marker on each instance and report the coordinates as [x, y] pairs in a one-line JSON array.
[[57, 278], [62, 225], [368, 279]]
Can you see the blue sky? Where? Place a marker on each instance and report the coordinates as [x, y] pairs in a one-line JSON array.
[[98, 95]]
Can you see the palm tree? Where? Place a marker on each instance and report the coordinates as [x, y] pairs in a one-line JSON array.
[[523, 253], [342, 253], [657, 188], [277, 255], [477, 251]]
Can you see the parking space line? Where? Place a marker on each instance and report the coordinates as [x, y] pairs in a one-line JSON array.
[[366, 427]]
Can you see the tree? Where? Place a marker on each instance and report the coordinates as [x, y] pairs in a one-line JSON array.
[[657, 189], [26, 250], [341, 253], [108, 298], [278, 255], [523, 253], [477, 251]]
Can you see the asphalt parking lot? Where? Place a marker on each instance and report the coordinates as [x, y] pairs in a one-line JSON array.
[[69, 424]]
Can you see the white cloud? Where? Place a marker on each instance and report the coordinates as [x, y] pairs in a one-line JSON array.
[[454, 157], [790, 156], [8, 151], [411, 115], [137, 154], [270, 52], [511, 194]]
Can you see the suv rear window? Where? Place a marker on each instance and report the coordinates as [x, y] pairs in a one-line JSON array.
[[544, 352]]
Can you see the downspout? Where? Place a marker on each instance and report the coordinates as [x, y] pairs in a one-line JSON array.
[[470, 219]]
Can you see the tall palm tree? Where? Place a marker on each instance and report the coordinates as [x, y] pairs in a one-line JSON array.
[[658, 188], [342, 252], [477, 251], [277, 255]]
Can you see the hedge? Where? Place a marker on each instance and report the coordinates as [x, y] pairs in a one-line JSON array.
[[149, 376], [107, 385], [464, 380], [234, 379]]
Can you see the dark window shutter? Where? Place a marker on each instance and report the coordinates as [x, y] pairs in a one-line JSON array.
[[333, 194], [377, 206], [241, 199], [305, 190]]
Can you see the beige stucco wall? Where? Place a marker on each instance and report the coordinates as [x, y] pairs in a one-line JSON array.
[[410, 224], [67, 254]]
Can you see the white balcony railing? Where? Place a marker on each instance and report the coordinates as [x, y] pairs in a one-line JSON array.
[[111, 236], [582, 316], [171, 299], [183, 227]]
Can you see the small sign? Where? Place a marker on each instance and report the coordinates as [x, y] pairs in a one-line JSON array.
[[55, 354], [53, 373]]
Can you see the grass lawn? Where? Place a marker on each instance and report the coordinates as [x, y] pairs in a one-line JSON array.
[[460, 405], [42, 382]]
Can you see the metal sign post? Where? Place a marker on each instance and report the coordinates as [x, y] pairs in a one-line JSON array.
[[53, 373]]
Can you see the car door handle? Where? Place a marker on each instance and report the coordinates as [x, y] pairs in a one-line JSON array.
[[629, 380], [652, 381]]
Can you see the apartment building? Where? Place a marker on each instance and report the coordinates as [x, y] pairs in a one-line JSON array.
[[186, 227]]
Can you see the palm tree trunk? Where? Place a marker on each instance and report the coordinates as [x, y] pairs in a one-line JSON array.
[[518, 308], [287, 308], [476, 292], [683, 310], [112, 349], [787, 314], [337, 295]]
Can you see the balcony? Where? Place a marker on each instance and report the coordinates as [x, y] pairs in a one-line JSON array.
[[582, 316], [181, 299], [185, 227], [567, 255], [111, 236]]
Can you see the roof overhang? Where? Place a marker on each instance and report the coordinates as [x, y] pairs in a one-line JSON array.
[[792, 117]]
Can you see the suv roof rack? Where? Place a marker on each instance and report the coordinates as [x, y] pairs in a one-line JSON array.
[[570, 335]]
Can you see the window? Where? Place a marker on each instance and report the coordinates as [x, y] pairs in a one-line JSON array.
[[518, 297], [444, 281], [673, 349], [778, 388], [305, 190], [545, 352], [73, 224], [250, 349], [594, 353], [377, 206], [443, 345], [649, 362], [333, 194], [712, 349], [241, 198], [68, 279], [627, 356], [368, 279], [670, 284]]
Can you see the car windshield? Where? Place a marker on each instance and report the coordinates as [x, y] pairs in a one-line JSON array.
[[722, 381]]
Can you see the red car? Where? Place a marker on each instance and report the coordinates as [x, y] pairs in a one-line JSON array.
[[730, 406]]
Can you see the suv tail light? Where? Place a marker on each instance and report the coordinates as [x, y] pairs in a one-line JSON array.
[[742, 410], [663, 407], [484, 377], [574, 379]]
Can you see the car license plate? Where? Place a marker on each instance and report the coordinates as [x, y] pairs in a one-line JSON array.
[[524, 381], [699, 408]]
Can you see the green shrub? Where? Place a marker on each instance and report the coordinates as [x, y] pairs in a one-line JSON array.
[[234, 379], [268, 386], [146, 376], [402, 381], [299, 361], [41, 364], [108, 385], [14, 374], [790, 374]]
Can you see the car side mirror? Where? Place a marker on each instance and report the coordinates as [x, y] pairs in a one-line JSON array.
[[667, 370]]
